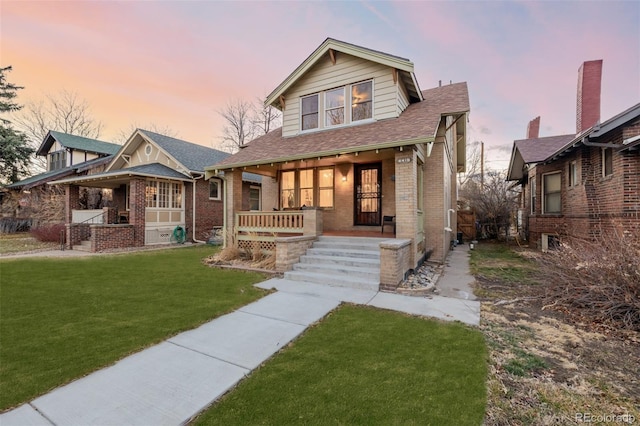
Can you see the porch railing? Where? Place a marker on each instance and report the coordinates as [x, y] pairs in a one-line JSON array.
[[265, 227]]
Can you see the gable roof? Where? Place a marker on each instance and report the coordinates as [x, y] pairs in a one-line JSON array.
[[418, 123], [404, 66], [76, 142], [534, 150], [192, 157]]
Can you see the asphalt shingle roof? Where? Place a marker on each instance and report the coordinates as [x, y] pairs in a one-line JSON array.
[[85, 144], [194, 157], [45, 177], [419, 120], [536, 150]]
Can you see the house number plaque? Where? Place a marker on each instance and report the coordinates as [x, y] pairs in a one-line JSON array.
[[404, 160]]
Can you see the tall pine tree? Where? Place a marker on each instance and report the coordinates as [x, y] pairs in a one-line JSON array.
[[15, 152]]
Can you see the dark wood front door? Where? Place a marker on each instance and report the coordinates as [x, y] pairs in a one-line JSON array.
[[368, 194]]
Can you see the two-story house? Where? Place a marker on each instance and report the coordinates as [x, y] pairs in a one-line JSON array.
[[67, 155], [581, 185], [158, 193], [361, 147]]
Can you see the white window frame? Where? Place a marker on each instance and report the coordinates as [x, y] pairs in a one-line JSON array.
[[302, 115], [255, 187], [327, 109], [326, 188], [544, 193], [218, 182], [532, 195], [363, 120], [604, 161], [573, 173]]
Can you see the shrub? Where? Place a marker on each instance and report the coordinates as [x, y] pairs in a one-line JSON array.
[[10, 225], [48, 233], [595, 281]]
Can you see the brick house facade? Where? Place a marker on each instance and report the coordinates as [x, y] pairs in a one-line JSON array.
[[158, 195], [585, 185], [360, 141]]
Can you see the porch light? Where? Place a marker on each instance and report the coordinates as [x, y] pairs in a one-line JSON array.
[[344, 178]]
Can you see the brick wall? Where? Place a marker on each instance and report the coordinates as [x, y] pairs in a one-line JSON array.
[[209, 213], [75, 233], [137, 210], [597, 204], [395, 261], [407, 198], [289, 250], [269, 194], [434, 202], [107, 237]]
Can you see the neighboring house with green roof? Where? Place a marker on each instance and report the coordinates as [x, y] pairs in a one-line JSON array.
[[157, 191], [67, 155]]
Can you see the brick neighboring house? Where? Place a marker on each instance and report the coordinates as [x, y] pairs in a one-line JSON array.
[[67, 155], [360, 143], [155, 182], [580, 185]]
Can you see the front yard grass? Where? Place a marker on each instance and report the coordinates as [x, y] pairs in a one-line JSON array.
[[22, 242], [61, 319], [362, 365]]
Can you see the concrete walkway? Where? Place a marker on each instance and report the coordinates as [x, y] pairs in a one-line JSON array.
[[172, 382], [457, 279]]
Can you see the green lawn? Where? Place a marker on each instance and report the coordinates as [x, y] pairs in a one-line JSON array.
[[500, 262], [63, 318], [366, 366]]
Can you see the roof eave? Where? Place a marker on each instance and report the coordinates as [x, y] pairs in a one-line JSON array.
[[216, 168], [350, 49]]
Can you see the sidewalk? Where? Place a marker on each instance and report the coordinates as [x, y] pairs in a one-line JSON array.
[[172, 382]]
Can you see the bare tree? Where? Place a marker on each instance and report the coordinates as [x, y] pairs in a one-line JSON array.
[[495, 202], [123, 135], [239, 124], [266, 118], [473, 164], [63, 112]]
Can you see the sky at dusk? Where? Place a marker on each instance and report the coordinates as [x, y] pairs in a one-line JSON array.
[[176, 63]]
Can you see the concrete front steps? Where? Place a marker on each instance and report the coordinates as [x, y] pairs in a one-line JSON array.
[[352, 262], [85, 245]]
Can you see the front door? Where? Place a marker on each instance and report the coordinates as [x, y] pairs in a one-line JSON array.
[[368, 196]]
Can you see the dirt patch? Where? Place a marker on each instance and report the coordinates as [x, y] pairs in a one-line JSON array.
[[546, 368]]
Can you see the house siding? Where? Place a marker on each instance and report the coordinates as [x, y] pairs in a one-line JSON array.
[[140, 157], [348, 69], [597, 205]]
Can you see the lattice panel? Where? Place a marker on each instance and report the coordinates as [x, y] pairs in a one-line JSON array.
[[268, 246]]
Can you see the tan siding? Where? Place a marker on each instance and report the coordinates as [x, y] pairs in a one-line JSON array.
[[403, 98], [347, 70], [140, 157]]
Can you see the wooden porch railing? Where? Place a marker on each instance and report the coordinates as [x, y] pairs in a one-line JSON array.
[[274, 222]]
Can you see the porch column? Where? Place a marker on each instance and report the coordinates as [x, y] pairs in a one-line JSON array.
[[233, 200], [407, 199], [269, 194], [71, 201], [137, 201]]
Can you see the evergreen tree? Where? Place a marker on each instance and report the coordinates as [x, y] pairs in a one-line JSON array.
[[15, 151]]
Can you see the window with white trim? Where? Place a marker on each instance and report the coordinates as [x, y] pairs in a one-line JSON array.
[[532, 186], [215, 192], [334, 107], [163, 194], [288, 190], [254, 198], [310, 112], [552, 190], [362, 101], [573, 173], [325, 187], [607, 162]]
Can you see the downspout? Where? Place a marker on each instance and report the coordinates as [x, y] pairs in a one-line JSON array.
[[193, 211]]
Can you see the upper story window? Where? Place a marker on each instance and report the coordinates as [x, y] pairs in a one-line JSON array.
[[310, 112], [607, 161], [362, 101], [57, 160], [334, 107], [552, 188]]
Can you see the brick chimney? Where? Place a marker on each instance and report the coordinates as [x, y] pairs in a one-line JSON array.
[[588, 102], [533, 128]]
